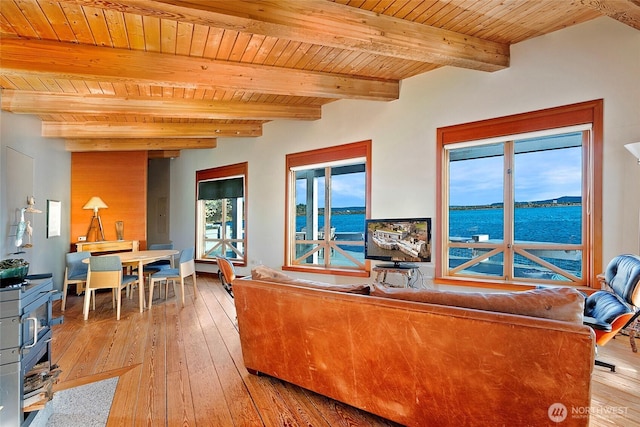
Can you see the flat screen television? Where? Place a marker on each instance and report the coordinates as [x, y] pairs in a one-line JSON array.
[[401, 242]]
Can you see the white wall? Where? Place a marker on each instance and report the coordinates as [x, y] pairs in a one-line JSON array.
[[597, 59], [49, 179]]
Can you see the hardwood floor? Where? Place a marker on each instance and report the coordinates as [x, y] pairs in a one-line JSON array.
[[183, 366]]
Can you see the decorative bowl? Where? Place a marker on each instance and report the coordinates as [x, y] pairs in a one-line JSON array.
[[13, 271]]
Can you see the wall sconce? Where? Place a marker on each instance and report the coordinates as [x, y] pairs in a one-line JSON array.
[[634, 148], [95, 226]]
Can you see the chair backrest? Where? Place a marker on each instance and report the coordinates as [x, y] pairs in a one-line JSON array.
[[227, 269], [186, 254], [161, 262], [75, 266], [104, 272], [160, 246], [623, 276], [187, 263]]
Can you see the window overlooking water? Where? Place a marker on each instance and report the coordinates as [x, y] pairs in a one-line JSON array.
[[328, 198], [221, 213], [522, 208]]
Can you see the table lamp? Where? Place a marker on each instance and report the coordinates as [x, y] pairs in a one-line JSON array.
[[95, 227]]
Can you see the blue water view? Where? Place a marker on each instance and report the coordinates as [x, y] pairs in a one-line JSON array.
[[348, 226], [553, 224], [561, 224], [342, 223]]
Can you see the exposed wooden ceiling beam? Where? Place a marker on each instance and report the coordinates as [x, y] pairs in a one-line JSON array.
[[329, 24], [165, 147], [77, 61], [164, 154], [91, 130], [29, 102], [625, 11]]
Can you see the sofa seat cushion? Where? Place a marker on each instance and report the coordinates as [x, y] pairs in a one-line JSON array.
[[563, 304], [267, 274]]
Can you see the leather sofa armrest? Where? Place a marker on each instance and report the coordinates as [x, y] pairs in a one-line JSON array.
[[596, 324]]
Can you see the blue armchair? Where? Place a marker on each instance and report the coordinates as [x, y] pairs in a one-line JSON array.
[[610, 310]]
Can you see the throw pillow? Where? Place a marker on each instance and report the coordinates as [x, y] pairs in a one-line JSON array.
[[564, 304], [267, 274]]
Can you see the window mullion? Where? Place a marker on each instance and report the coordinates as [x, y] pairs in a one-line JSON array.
[[223, 231], [508, 211], [311, 200], [588, 170], [327, 216], [444, 215]]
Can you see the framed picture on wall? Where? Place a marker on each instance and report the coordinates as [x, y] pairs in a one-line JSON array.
[[54, 209]]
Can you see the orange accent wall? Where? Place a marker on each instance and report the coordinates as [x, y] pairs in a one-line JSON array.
[[120, 180]]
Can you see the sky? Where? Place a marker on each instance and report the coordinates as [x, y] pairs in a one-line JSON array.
[[346, 191], [538, 176]]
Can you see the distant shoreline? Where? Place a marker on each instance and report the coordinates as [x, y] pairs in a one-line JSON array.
[[517, 205], [336, 211], [526, 205]]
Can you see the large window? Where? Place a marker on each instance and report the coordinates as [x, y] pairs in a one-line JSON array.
[[221, 213], [328, 199], [521, 203]]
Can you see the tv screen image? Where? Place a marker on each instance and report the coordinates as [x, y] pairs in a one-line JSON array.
[[398, 240]]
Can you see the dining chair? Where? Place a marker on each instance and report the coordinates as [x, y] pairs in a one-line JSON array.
[[154, 267], [105, 272], [75, 273], [226, 274], [185, 269]]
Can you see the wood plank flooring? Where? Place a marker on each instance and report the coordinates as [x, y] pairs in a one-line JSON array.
[[182, 366]]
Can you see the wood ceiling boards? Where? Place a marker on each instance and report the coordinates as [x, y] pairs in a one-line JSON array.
[[169, 75]]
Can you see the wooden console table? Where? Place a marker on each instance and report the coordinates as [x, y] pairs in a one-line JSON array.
[[108, 246]]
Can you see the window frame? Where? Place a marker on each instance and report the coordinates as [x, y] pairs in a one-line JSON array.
[[313, 158], [585, 113], [217, 173]]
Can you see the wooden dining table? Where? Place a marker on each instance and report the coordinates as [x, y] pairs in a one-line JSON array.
[[139, 259]]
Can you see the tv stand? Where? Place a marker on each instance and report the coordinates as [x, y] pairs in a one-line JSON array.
[[407, 271], [398, 266]]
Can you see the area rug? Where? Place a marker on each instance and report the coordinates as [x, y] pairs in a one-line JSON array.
[[83, 406]]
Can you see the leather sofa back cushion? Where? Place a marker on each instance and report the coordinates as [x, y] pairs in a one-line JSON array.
[[267, 274], [564, 304]]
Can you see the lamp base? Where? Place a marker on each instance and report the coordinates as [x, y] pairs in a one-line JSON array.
[[95, 230]]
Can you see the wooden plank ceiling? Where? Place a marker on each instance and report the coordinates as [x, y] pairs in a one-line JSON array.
[[170, 74]]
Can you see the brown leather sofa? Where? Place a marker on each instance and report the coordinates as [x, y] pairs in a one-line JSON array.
[[416, 363]]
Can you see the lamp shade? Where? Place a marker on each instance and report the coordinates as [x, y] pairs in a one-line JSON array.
[[634, 148], [95, 203]]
